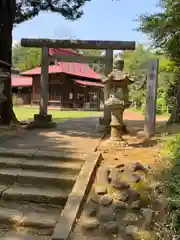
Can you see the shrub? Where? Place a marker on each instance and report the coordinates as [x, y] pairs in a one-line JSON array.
[[172, 180]]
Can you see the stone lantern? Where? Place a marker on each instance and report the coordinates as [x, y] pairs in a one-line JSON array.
[[118, 98]]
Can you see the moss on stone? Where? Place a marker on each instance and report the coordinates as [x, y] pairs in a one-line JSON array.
[[145, 235], [142, 187]]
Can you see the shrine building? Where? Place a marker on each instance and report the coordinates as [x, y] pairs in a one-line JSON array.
[[71, 85]]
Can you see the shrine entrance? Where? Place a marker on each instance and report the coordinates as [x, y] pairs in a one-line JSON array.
[[107, 60]]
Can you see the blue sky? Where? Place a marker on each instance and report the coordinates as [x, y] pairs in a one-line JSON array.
[[102, 20]]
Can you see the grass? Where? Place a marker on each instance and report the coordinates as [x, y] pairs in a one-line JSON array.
[[171, 186], [139, 110], [27, 113]]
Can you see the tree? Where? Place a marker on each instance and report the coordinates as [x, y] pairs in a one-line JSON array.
[[7, 16], [14, 12], [25, 58], [164, 29], [96, 65], [135, 67]]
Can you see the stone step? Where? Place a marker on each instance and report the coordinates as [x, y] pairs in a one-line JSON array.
[[37, 178], [40, 154], [72, 166], [14, 218], [36, 194], [14, 235], [38, 207]]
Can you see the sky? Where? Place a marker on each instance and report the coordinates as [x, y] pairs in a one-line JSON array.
[[102, 20]]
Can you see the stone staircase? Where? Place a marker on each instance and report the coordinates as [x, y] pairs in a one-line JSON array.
[[33, 194]]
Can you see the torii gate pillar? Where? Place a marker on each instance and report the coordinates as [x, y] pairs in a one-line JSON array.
[[106, 119]]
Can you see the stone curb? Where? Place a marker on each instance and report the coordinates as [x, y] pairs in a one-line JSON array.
[[38, 154], [77, 198]]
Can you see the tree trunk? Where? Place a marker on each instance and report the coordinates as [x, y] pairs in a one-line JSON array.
[[175, 113], [7, 14]]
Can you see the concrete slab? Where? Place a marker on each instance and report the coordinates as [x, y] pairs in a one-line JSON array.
[[35, 194], [75, 136], [77, 197]]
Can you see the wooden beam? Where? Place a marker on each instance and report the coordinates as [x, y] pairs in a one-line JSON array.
[[78, 44], [5, 63], [108, 69], [109, 61], [13, 70], [44, 82], [78, 59]]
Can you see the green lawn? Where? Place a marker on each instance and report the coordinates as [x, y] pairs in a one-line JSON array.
[[27, 113]]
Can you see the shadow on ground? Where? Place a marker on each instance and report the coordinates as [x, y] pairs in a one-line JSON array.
[[77, 135], [70, 136], [136, 128]]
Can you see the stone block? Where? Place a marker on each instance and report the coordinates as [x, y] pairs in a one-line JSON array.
[[105, 200], [89, 223], [42, 118], [106, 214], [42, 122], [110, 227], [131, 230]]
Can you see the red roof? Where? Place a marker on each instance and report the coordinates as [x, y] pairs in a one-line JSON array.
[[63, 52], [76, 69], [88, 83], [21, 81]]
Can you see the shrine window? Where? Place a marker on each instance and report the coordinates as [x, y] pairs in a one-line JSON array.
[[70, 96], [80, 96], [54, 91], [93, 96]]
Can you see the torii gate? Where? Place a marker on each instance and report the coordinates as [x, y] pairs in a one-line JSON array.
[[45, 44]]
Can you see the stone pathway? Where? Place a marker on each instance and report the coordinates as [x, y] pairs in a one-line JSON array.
[[72, 136], [34, 186]]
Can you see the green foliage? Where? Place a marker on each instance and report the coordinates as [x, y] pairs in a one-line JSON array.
[[70, 9], [161, 104], [96, 66], [172, 180], [172, 148], [164, 29], [136, 65], [135, 61], [26, 58]]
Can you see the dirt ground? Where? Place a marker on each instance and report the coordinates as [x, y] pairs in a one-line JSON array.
[[139, 150], [81, 135]]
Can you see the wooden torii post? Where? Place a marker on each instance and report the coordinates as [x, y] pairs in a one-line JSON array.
[[45, 44]]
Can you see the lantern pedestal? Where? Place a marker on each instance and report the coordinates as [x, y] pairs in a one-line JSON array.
[[116, 124], [116, 140]]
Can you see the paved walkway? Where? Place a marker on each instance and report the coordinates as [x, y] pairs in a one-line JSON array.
[[72, 136]]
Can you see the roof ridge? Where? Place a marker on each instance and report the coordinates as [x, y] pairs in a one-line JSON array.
[[67, 50]]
